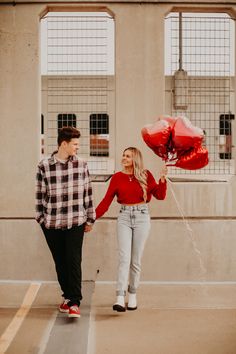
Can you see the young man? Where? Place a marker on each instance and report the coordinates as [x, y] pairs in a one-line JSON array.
[[64, 209]]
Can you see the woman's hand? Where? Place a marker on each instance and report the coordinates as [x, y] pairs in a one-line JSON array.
[[163, 173], [87, 228]]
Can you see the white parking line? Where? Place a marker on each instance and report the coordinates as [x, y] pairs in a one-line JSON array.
[[12, 329], [47, 333]]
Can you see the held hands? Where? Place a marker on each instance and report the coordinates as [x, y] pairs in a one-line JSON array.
[[163, 173], [88, 228]]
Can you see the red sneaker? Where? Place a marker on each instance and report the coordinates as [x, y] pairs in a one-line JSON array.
[[64, 307], [74, 311]]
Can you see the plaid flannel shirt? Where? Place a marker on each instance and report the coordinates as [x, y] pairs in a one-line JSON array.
[[63, 193]]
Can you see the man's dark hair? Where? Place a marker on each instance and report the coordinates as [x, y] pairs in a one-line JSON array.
[[66, 134]]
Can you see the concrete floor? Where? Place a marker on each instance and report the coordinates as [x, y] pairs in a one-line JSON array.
[[38, 327], [171, 319]]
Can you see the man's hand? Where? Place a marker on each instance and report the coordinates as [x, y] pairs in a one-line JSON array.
[[88, 228]]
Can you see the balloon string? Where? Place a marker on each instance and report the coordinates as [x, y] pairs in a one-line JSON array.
[[190, 232]]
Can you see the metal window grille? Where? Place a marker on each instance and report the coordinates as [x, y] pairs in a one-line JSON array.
[[77, 69], [99, 134], [66, 120], [199, 70]]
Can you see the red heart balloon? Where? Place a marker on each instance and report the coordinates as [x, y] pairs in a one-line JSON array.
[[194, 159], [176, 138], [157, 136], [185, 135], [169, 119]]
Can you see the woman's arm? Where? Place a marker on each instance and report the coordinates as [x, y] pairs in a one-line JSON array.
[[158, 190], [103, 206]]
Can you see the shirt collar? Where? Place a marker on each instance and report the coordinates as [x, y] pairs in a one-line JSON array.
[[53, 160]]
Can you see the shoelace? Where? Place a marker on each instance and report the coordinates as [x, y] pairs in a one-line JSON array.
[[74, 308]]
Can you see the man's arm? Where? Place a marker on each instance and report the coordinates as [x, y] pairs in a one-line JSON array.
[[40, 192], [88, 201]]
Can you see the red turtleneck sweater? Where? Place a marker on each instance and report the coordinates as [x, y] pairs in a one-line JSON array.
[[128, 191]]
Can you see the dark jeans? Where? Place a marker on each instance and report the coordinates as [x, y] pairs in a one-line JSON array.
[[66, 248]]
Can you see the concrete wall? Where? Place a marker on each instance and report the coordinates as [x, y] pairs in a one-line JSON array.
[[202, 251], [20, 108], [140, 97]]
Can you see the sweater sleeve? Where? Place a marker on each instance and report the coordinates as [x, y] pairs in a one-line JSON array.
[[106, 201], [158, 190]]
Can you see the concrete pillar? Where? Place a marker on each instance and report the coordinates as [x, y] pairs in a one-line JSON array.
[[20, 109]]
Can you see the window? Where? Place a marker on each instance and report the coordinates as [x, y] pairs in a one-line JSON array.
[[78, 83], [99, 134], [225, 138], [199, 69], [42, 135], [66, 120]]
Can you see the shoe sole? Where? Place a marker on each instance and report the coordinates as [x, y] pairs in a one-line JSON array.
[[118, 308], [132, 308], [63, 311], [73, 316]]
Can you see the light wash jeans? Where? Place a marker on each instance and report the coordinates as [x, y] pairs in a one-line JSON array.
[[133, 226]]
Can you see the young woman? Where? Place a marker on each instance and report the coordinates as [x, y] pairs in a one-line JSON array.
[[133, 187]]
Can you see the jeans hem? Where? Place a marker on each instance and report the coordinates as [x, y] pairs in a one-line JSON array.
[[131, 290], [120, 292]]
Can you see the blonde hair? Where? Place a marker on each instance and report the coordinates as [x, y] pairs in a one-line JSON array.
[[139, 171]]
